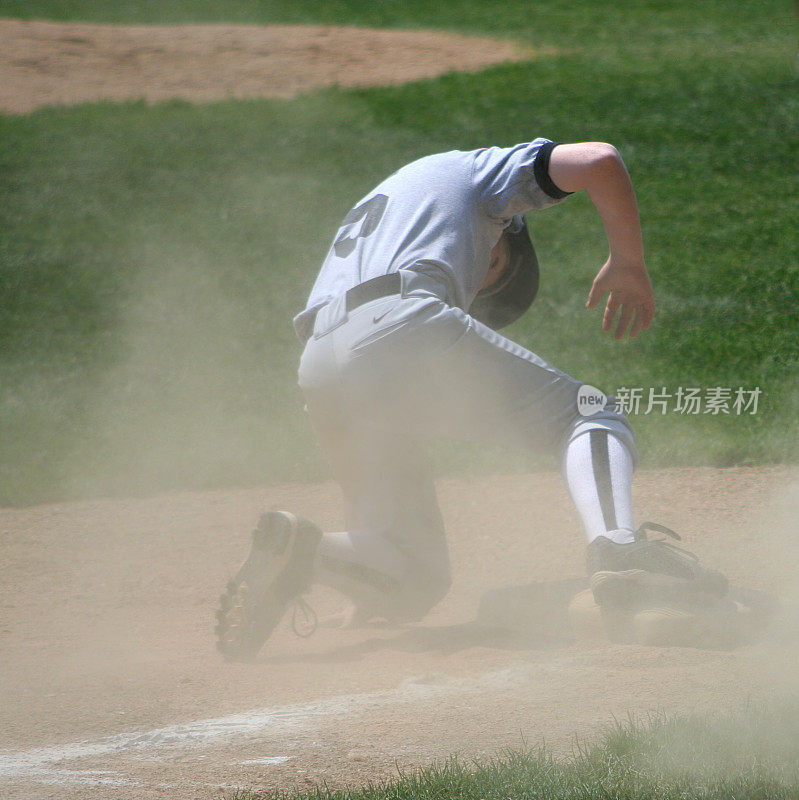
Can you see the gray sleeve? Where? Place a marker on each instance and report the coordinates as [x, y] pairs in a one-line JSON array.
[[514, 180]]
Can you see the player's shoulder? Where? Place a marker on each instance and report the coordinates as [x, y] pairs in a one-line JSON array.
[[481, 159], [523, 151], [445, 170], [447, 159]]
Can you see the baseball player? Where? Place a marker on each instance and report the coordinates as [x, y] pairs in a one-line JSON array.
[[401, 342]]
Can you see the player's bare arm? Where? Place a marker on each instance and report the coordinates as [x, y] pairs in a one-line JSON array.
[[598, 169]]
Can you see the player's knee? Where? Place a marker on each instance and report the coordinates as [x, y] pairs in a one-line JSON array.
[[608, 419]]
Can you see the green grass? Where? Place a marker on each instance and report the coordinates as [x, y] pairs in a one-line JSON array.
[[624, 24], [152, 256], [753, 756]]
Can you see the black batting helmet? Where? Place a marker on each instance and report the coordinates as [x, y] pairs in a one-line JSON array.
[[506, 300]]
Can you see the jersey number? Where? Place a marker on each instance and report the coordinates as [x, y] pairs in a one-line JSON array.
[[371, 212]]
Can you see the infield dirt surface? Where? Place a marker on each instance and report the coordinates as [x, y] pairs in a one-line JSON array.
[[110, 685]]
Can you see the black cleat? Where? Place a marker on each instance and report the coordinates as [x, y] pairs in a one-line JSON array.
[[277, 571], [645, 569]]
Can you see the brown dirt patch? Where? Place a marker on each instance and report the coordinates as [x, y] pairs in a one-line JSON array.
[[106, 640], [47, 63]]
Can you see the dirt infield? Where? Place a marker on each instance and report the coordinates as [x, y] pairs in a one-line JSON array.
[[111, 685], [47, 63]]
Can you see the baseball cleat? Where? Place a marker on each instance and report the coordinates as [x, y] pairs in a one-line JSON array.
[[691, 620], [637, 587], [647, 569], [721, 623], [277, 571]]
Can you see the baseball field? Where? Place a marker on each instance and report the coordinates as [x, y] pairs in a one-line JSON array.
[[170, 177]]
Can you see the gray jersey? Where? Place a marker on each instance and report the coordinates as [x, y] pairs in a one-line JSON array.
[[440, 215]]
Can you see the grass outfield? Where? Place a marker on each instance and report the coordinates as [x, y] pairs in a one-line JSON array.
[[754, 756], [623, 25], [152, 256]]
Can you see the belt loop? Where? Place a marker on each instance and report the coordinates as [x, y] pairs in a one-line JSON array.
[[330, 316]]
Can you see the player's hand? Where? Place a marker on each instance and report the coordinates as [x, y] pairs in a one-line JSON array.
[[630, 290]]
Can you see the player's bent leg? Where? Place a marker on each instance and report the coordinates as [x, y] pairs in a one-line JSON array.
[[509, 394], [392, 561]]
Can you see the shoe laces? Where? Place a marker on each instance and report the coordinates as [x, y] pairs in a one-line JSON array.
[[640, 536], [304, 620]]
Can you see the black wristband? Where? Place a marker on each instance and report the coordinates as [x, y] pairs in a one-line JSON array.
[[541, 172]]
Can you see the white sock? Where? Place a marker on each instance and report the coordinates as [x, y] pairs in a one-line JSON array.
[[598, 470]]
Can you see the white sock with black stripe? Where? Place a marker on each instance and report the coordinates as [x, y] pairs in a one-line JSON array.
[[598, 469]]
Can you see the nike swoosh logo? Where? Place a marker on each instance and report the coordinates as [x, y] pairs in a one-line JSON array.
[[378, 317]]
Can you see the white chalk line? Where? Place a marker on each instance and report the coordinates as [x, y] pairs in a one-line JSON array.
[[46, 764], [109, 778]]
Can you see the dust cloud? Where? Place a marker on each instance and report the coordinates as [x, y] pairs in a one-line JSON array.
[[776, 530], [203, 391], [108, 604]]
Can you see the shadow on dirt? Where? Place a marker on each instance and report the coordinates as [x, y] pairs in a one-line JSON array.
[[442, 639], [554, 614]]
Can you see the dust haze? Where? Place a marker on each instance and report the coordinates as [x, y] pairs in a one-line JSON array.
[[106, 604], [198, 395]]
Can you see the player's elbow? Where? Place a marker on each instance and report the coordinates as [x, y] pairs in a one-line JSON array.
[[601, 156], [580, 166], [604, 168]]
